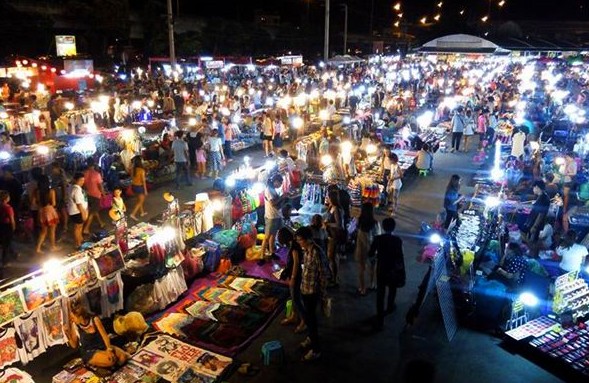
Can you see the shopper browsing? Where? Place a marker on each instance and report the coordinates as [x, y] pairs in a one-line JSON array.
[[390, 268], [180, 149], [272, 214], [452, 200]]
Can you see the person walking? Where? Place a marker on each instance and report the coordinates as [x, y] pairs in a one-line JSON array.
[[216, 155], [335, 232], [48, 215], [395, 184], [268, 133], [7, 228], [77, 207], [313, 290], [94, 191], [228, 131], [458, 124], [139, 187], [59, 182], [367, 228], [390, 268], [452, 199], [180, 150], [469, 128]]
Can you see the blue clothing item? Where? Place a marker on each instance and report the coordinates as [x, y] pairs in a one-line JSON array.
[[450, 200]]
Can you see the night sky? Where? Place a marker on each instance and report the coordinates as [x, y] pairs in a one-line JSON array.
[[295, 10]]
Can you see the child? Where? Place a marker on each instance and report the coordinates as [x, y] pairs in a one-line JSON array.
[[201, 162], [117, 201], [7, 226]]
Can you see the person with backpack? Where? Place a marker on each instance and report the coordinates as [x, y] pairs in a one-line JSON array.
[[390, 269]]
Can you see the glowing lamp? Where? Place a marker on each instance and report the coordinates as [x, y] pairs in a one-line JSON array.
[[69, 105], [529, 299], [43, 150], [492, 202], [297, 122], [218, 205], [52, 269], [230, 182], [371, 149], [189, 110], [347, 120], [560, 161], [258, 188], [3, 115], [496, 174], [150, 103], [346, 147], [4, 155], [326, 160], [141, 129], [435, 238], [324, 115]]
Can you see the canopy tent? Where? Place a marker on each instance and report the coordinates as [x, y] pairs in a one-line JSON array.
[[461, 43], [344, 59]]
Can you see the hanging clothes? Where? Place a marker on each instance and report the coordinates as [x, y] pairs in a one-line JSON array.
[[52, 319], [32, 334], [112, 295], [9, 352]]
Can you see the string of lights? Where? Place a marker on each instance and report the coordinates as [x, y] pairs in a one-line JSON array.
[[439, 9]]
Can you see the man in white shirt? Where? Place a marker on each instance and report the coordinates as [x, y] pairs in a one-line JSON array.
[[180, 150], [77, 207]]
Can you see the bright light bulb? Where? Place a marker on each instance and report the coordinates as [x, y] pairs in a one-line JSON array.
[[326, 160], [298, 122]]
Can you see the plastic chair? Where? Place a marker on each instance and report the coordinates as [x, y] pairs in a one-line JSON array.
[[272, 351]]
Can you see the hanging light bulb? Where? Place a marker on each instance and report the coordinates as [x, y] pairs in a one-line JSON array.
[[423, 20]]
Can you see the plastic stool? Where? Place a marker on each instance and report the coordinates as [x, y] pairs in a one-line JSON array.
[[289, 308], [272, 350], [423, 172]]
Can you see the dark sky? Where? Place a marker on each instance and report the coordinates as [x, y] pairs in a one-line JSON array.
[[295, 10]]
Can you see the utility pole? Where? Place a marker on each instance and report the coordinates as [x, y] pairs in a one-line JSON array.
[[326, 37], [371, 25], [345, 28], [171, 35]]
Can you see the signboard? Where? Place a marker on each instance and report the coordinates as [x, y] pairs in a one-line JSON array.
[[291, 60], [214, 64], [65, 45], [78, 65]]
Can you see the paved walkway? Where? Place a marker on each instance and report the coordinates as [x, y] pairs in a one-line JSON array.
[[352, 351]]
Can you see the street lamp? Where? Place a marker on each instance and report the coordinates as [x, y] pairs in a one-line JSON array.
[[326, 36]]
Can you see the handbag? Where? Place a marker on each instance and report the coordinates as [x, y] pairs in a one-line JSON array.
[[106, 201]]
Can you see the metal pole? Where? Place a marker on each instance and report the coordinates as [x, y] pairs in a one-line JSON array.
[[326, 37], [345, 29], [171, 35]]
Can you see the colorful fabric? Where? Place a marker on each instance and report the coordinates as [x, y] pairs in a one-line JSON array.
[[11, 306], [9, 353]]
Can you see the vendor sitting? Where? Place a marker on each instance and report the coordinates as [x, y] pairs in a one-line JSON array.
[[571, 256], [87, 332], [512, 267], [424, 159]]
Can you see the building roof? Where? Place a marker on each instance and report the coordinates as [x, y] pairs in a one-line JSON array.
[[462, 43]]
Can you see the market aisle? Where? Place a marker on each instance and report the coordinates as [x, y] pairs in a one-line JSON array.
[[154, 203], [353, 352]]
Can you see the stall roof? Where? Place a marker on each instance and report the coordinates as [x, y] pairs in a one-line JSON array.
[[462, 43], [345, 59]]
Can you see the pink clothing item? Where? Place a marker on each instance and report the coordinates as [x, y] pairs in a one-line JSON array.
[[228, 132], [482, 124], [92, 182]]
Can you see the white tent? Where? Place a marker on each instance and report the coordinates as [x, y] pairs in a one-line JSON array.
[[461, 43], [344, 59]]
